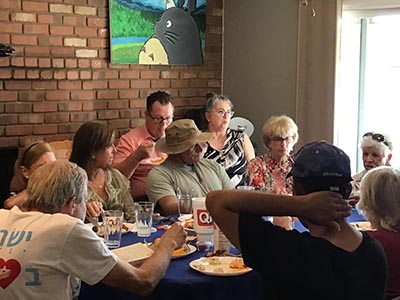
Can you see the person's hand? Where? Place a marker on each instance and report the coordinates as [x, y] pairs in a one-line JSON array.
[[175, 233], [93, 208], [145, 150], [324, 208]]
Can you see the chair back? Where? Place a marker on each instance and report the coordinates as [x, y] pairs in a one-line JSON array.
[[61, 149]]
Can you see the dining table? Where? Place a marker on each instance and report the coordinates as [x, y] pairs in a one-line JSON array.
[[183, 282]]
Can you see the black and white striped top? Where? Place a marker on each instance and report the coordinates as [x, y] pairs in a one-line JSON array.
[[231, 157]]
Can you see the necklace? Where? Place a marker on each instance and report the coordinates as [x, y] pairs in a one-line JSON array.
[[98, 179]]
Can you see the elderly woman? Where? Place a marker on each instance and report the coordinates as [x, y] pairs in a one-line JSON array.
[[267, 172], [232, 149], [34, 156], [380, 203], [93, 150], [376, 151]]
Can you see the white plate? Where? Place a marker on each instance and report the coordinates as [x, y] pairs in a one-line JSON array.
[[192, 250], [134, 229], [184, 218], [130, 228], [206, 266], [362, 225], [186, 223]]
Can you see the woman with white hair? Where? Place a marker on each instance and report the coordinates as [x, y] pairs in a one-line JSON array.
[[376, 151], [380, 204]]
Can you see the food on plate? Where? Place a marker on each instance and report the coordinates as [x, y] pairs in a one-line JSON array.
[[237, 263], [179, 251], [201, 267], [158, 160], [219, 270], [362, 225], [100, 229], [188, 224], [214, 261]]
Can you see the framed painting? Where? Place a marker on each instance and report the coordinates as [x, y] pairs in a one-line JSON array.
[[166, 32]]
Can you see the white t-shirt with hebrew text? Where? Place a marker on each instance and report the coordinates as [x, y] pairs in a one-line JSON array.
[[41, 254]]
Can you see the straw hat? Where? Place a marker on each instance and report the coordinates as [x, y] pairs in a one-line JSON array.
[[180, 135]]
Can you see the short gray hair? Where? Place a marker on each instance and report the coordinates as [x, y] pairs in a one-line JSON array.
[[213, 99], [380, 202], [385, 148], [52, 185]]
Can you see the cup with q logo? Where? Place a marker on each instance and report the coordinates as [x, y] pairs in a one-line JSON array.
[[203, 224]]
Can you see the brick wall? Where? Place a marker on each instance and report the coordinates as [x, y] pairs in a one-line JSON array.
[[61, 75]]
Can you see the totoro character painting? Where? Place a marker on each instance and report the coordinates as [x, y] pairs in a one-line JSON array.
[[176, 38]]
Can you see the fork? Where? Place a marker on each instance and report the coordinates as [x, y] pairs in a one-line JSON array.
[[186, 248]]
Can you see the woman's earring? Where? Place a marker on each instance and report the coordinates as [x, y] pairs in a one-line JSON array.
[[93, 157]]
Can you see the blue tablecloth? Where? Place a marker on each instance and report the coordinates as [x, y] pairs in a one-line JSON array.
[[182, 282]]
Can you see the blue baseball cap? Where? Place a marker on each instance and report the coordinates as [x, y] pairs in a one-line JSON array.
[[321, 159]]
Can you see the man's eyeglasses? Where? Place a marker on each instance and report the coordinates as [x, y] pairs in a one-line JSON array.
[[377, 137], [159, 120], [224, 113], [282, 139]]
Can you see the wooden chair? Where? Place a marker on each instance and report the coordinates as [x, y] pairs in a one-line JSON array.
[[62, 149]]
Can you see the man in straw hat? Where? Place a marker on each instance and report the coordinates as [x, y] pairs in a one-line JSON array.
[[333, 260], [185, 169]]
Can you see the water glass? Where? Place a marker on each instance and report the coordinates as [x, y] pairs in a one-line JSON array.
[[144, 218], [113, 220], [185, 202]]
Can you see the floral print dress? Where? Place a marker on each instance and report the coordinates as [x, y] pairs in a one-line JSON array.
[[265, 174]]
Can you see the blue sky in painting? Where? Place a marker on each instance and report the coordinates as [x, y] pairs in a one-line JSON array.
[[160, 4]]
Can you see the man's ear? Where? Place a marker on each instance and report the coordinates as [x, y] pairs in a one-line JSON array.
[[69, 207]]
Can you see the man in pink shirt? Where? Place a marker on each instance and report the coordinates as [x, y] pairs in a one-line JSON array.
[[135, 154]]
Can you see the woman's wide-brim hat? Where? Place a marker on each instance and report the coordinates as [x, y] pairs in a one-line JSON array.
[[180, 135]]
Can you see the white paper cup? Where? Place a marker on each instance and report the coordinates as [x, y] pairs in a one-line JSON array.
[[203, 223], [113, 220]]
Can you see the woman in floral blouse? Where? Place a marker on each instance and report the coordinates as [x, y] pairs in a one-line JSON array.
[[93, 150], [267, 172]]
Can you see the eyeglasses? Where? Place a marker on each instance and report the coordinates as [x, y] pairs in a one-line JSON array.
[[377, 137], [161, 119], [282, 139], [224, 113]]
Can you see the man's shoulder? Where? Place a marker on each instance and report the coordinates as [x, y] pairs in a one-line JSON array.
[[137, 132]]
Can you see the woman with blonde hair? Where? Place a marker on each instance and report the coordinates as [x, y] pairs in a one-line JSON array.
[[34, 155], [268, 172], [380, 204]]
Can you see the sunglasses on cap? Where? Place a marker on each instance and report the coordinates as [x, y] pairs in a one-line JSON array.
[[377, 137]]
